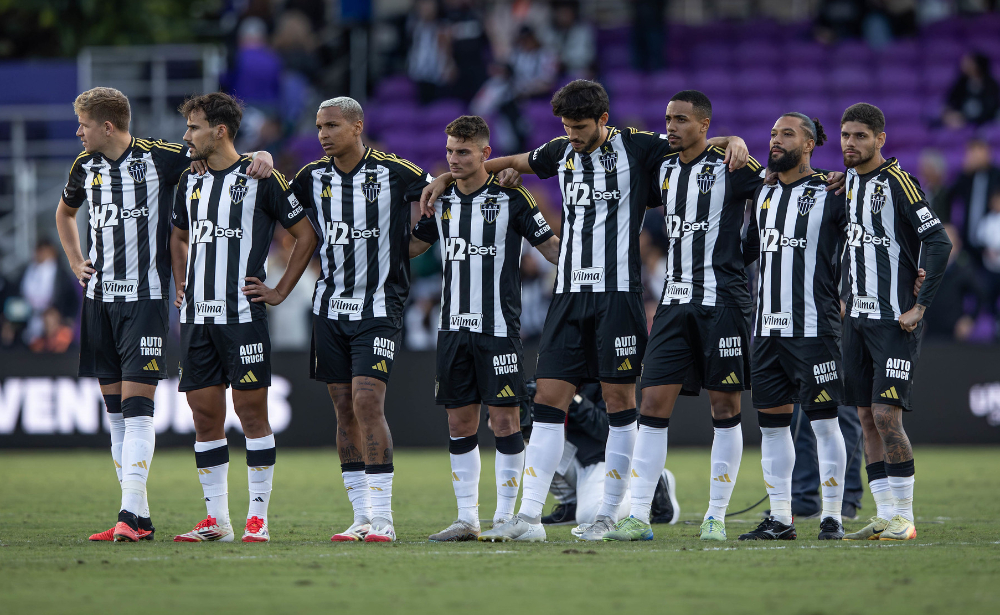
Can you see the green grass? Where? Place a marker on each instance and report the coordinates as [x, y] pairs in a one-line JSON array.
[[51, 501]]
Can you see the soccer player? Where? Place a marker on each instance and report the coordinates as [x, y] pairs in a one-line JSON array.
[[361, 198], [127, 184], [479, 355], [223, 224], [889, 221], [596, 324]]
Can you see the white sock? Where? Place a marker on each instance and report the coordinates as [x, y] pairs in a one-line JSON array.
[[902, 492], [465, 470], [380, 488], [884, 500], [777, 458], [137, 455], [260, 477], [117, 438], [541, 458], [832, 455], [617, 465], [508, 469], [215, 480], [727, 451], [356, 484], [648, 459]]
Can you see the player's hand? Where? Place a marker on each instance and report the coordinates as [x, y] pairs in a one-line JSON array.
[[509, 178], [771, 178], [909, 321], [261, 166], [737, 153], [835, 180], [431, 193], [268, 295], [921, 276], [83, 272], [179, 298], [200, 167]]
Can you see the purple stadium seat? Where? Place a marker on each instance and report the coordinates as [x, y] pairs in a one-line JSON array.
[[714, 55], [806, 81], [813, 106], [807, 53], [761, 112], [438, 114], [624, 83], [852, 80], [902, 52], [945, 52], [902, 108], [854, 54], [938, 78], [714, 82], [756, 81], [665, 84], [617, 57], [909, 137], [758, 53], [898, 80], [397, 87]]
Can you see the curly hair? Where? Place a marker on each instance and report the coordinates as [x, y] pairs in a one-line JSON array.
[[218, 108], [869, 115], [581, 100]]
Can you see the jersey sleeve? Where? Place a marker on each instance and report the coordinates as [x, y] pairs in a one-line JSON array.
[[544, 160], [651, 147], [528, 220], [747, 179], [285, 206], [751, 235], [426, 230], [913, 204], [74, 193], [414, 179], [179, 213], [302, 187], [174, 159]]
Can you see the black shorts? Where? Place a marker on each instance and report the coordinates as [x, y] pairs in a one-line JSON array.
[[699, 347], [123, 341], [344, 349], [475, 368], [237, 355], [879, 361], [804, 370], [593, 336]]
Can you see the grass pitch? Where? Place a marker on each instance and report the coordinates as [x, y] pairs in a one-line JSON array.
[[51, 501]]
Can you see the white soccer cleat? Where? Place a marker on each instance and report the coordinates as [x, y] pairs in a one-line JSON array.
[[515, 528], [580, 529], [208, 530], [355, 533], [598, 529], [256, 531], [381, 532]]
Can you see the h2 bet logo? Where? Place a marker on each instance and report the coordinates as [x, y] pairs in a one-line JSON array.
[[102, 216], [340, 234], [771, 239], [677, 226], [205, 231], [457, 249], [579, 193], [857, 236]]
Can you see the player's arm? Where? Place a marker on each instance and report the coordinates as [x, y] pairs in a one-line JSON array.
[[751, 239], [261, 166], [179, 238], [737, 153], [417, 247], [302, 250], [550, 249], [425, 234], [69, 237]]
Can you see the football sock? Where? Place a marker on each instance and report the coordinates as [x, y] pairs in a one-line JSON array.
[[648, 459], [878, 484], [212, 459], [465, 469], [117, 423], [356, 484], [541, 458], [618, 460], [777, 458], [137, 451], [260, 474], [901, 479], [380, 488], [832, 455], [727, 450], [508, 467]]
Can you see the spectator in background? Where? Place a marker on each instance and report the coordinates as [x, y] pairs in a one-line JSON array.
[[649, 30], [839, 20], [428, 62], [255, 77], [296, 45], [574, 40], [45, 284], [295, 312], [950, 318], [534, 67], [975, 96], [980, 178], [469, 47], [988, 234], [536, 291], [56, 337], [933, 173]]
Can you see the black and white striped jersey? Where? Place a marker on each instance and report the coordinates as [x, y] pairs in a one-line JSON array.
[[364, 222], [604, 197], [888, 217], [703, 208], [129, 206], [481, 282], [801, 229], [230, 220]]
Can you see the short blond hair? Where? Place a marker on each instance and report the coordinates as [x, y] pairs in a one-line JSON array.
[[104, 105]]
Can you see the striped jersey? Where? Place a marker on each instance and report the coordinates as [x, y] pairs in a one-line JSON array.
[[129, 205], [230, 220], [363, 218], [481, 281], [801, 228], [703, 208], [888, 216], [604, 198]]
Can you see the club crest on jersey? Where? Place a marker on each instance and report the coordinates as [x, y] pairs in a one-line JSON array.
[[608, 157], [807, 201], [372, 187], [490, 209], [238, 190], [878, 198], [706, 178], [137, 169]]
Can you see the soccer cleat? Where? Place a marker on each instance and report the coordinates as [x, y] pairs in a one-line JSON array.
[[459, 531], [381, 531], [664, 507], [108, 535], [355, 533], [580, 529], [515, 528], [771, 529], [831, 529], [562, 514], [629, 529], [208, 530], [713, 529], [598, 529], [256, 530], [127, 528], [899, 528], [872, 531]]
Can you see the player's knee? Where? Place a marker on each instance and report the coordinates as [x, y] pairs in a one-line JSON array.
[[886, 417], [367, 405], [505, 421], [726, 407], [462, 424], [619, 398]]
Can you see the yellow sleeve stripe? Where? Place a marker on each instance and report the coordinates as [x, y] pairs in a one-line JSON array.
[[527, 195], [281, 179], [82, 155], [911, 191], [305, 167], [717, 150], [753, 164]]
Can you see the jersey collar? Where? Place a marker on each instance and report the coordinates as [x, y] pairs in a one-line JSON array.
[[356, 168], [696, 159], [478, 191], [125, 154], [815, 175], [885, 165]]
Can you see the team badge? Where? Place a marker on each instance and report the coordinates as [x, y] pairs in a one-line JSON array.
[[878, 198], [137, 169], [490, 209], [238, 190], [608, 157], [706, 178], [807, 201], [372, 186]]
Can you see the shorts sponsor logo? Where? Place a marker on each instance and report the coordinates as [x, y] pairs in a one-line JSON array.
[[776, 320], [381, 366], [251, 353], [825, 372], [676, 226], [771, 239], [119, 288], [151, 346], [730, 347], [342, 305], [626, 346], [866, 305], [506, 364], [588, 275], [471, 321], [678, 290], [210, 308], [383, 347], [897, 368], [506, 392]]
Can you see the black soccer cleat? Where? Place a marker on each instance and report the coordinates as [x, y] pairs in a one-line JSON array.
[[831, 529], [664, 507], [562, 514], [771, 529], [146, 529]]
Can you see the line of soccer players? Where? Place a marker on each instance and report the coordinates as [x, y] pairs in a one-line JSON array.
[[357, 200]]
